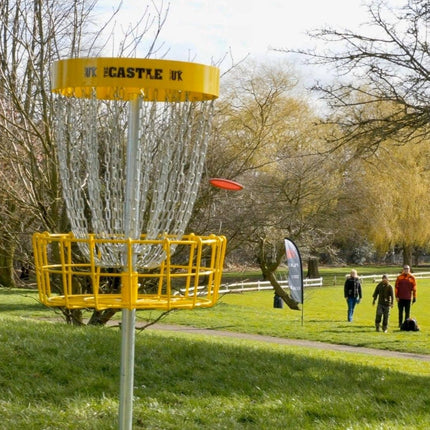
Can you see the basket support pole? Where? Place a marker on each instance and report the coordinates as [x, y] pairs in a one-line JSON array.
[[129, 315]]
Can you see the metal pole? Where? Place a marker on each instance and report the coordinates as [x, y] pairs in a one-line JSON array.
[[127, 369], [129, 316], [303, 306]]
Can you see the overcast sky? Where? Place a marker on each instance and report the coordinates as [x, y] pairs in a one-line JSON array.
[[205, 30], [209, 28]]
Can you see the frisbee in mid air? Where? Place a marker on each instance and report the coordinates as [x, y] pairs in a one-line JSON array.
[[225, 184]]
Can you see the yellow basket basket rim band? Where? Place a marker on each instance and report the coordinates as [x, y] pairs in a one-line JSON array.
[[125, 78]]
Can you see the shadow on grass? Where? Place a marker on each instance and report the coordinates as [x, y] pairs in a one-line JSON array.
[[349, 328], [10, 307], [19, 300], [197, 382]]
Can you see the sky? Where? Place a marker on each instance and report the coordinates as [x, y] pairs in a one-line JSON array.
[[209, 29], [205, 31]]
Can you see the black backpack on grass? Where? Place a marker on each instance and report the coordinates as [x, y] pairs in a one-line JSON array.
[[410, 325]]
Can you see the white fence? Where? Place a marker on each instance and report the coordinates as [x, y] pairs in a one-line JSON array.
[[241, 287], [393, 277]]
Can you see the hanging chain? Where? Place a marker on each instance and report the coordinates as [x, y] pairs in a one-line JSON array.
[[92, 141]]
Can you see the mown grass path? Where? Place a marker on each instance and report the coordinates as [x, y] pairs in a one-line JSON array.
[[293, 342]]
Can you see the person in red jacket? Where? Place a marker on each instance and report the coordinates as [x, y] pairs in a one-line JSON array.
[[405, 291]]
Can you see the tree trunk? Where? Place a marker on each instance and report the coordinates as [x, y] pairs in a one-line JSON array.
[[102, 317], [73, 316], [313, 271], [6, 264], [269, 262], [292, 304], [407, 255]]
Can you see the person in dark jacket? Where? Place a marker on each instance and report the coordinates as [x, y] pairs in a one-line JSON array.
[[352, 292], [384, 293]]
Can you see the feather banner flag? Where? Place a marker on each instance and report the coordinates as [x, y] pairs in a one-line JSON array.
[[295, 272]]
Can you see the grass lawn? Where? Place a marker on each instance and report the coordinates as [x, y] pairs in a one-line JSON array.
[[324, 318], [55, 376]]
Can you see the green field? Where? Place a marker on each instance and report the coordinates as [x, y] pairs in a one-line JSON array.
[[55, 376], [323, 319]]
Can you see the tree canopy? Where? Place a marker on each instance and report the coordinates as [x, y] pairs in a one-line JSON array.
[[34, 35], [387, 62], [379, 101]]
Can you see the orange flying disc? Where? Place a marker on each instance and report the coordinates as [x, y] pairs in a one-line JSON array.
[[225, 184]]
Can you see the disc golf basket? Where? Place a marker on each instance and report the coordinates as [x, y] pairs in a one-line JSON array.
[[132, 137], [74, 284]]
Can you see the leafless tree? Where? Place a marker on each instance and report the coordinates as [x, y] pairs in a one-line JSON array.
[[33, 35], [265, 137], [388, 63]]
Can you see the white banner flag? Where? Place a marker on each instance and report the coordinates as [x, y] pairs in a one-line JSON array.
[[295, 272]]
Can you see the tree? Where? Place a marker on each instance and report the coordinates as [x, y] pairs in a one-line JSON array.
[[380, 97], [388, 202], [388, 63], [29, 176], [265, 136], [34, 35], [245, 131]]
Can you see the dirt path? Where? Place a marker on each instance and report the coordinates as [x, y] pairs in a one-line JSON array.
[[294, 342]]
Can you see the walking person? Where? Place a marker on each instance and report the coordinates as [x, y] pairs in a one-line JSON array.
[[406, 292], [352, 292], [385, 295]]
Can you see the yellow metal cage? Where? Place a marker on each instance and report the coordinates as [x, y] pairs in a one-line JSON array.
[[66, 279]]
